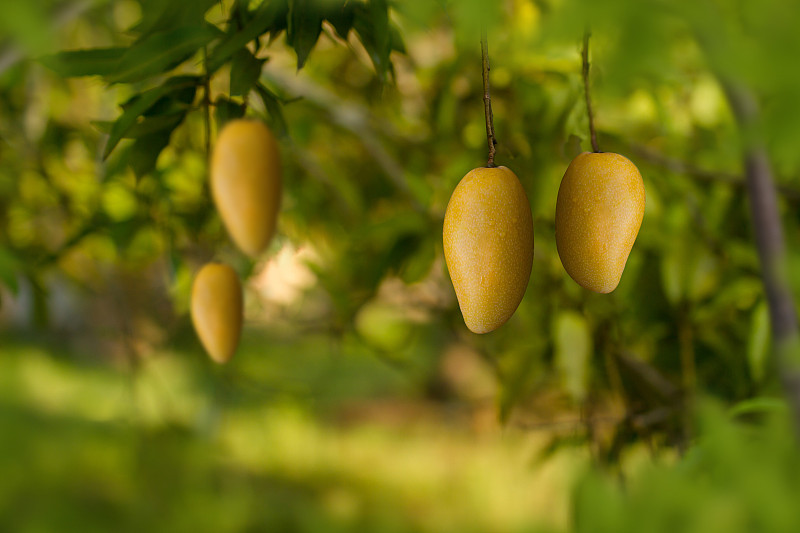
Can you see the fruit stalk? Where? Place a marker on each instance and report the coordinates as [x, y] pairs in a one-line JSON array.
[[585, 71], [487, 101]]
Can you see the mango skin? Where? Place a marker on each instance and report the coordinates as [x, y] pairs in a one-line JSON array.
[[488, 246], [217, 310], [246, 183], [599, 212]]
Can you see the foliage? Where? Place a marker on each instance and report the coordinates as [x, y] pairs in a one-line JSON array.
[[103, 144], [738, 477]]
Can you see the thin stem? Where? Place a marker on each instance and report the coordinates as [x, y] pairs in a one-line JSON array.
[[487, 101], [585, 59]]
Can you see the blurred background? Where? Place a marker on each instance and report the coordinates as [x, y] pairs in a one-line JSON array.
[[358, 400]]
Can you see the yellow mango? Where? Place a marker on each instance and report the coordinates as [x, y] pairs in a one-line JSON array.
[[488, 246], [217, 310], [246, 183], [599, 211]]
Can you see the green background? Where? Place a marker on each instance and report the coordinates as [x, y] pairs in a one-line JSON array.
[[358, 400]]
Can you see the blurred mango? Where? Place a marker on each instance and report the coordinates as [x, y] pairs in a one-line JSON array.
[[246, 183], [217, 310]]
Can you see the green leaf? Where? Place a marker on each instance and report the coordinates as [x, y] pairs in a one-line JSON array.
[[245, 71], [305, 25], [158, 15], [758, 405], [341, 16], [372, 25], [226, 110], [89, 62], [240, 14], [270, 17], [141, 104], [162, 51], [145, 151], [573, 341], [273, 106], [396, 40], [758, 342], [145, 127]]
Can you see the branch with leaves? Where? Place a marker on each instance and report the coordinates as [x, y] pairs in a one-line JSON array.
[[174, 34]]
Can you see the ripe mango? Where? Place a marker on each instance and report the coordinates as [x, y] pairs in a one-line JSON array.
[[246, 183], [488, 246], [599, 211], [217, 310]]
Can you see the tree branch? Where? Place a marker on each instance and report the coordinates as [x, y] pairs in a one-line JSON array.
[[769, 241]]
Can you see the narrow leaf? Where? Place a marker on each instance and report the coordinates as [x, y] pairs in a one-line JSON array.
[[272, 104], [145, 127], [758, 343], [341, 17], [141, 104], [226, 110], [270, 17], [305, 25], [89, 62], [145, 151], [396, 40], [245, 71], [162, 51], [372, 25], [158, 15]]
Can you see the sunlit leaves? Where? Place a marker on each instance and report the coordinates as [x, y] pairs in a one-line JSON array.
[[142, 104]]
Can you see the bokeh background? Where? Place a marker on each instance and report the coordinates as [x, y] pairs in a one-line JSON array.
[[358, 400]]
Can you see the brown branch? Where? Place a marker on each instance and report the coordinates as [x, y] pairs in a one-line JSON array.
[[769, 241], [585, 73], [487, 101]]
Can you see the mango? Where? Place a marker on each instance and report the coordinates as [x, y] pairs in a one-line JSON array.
[[488, 246], [599, 212], [217, 310], [246, 183]]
